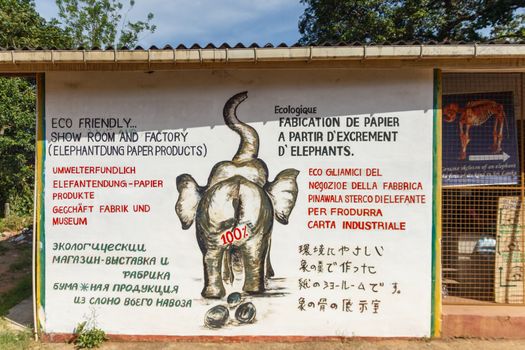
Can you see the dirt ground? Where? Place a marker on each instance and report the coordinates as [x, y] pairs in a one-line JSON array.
[[15, 268], [451, 344], [12, 267], [7, 278]]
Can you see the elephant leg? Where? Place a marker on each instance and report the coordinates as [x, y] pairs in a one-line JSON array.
[[213, 286], [463, 136], [498, 132], [254, 256], [269, 269]]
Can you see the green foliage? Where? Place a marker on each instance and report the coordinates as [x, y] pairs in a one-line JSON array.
[[87, 23], [14, 340], [15, 223], [514, 29], [88, 336], [21, 25], [17, 143], [423, 20], [101, 23], [22, 290]]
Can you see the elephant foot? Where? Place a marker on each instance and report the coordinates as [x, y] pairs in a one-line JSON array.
[[257, 288], [213, 292], [254, 292]]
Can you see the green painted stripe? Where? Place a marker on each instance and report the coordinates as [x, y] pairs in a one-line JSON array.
[[42, 199], [435, 194]]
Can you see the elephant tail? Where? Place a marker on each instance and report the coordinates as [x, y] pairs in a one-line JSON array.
[[249, 145]]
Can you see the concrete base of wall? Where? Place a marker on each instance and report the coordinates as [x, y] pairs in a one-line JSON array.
[[483, 321]]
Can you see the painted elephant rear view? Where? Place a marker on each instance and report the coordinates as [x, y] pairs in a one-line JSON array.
[[237, 198]]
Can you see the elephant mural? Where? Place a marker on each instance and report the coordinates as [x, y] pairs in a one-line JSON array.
[[239, 196]]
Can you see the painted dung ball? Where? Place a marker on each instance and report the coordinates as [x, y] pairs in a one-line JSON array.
[[216, 317], [245, 313], [234, 299]]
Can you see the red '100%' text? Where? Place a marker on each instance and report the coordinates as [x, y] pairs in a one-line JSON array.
[[236, 234]]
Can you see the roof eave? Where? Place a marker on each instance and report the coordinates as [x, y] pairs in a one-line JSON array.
[[222, 56]]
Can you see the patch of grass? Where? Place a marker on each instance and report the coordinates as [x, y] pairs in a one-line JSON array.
[[14, 340], [15, 223], [23, 262], [21, 291], [88, 337]]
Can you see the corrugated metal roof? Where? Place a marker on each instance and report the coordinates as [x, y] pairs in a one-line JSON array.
[[197, 46]]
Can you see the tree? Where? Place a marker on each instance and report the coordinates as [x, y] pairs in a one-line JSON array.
[[21, 25], [101, 23], [17, 143], [513, 29], [408, 20]]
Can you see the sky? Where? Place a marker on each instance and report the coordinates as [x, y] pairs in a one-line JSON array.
[[205, 21]]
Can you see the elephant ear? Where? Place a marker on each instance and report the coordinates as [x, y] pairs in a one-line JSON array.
[[189, 197], [283, 192]]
